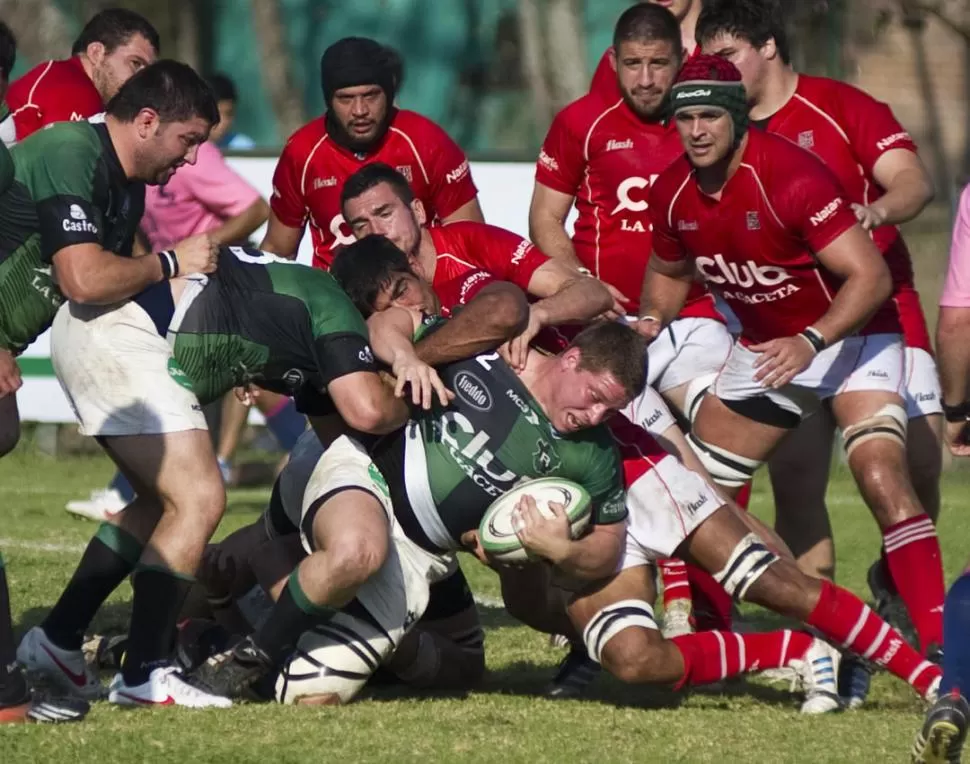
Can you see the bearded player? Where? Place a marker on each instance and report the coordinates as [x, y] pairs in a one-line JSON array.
[[768, 226], [113, 45], [603, 158], [360, 80], [876, 163]]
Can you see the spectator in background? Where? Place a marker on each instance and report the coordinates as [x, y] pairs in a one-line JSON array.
[[207, 197], [944, 731], [8, 57], [227, 97]]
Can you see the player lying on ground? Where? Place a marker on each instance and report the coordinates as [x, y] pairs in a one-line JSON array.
[[876, 163], [674, 512], [389, 524], [136, 375]]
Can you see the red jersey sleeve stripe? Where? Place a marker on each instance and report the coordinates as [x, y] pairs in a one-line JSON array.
[[306, 164], [673, 201], [761, 190], [826, 116]]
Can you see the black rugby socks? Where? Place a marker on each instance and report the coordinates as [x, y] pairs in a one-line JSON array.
[[13, 685], [291, 616], [111, 555]]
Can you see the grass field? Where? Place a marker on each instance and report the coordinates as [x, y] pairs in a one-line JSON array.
[[503, 721]]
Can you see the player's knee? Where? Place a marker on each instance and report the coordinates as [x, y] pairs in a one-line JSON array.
[[633, 656], [357, 556], [727, 469], [748, 563], [886, 427], [620, 632]]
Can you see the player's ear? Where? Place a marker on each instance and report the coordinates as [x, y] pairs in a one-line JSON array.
[[569, 359], [611, 51], [769, 50], [147, 123], [95, 52], [417, 208]]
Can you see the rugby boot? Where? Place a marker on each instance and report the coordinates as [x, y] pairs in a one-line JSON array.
[[165, 686], [231, 673], [575, 673], [944, 732], [818, 672], [66, 669], [855, 676]]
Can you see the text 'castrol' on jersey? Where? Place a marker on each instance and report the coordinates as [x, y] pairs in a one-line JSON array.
[[607, 158], [312, 170], [756, 245], [850, 131]]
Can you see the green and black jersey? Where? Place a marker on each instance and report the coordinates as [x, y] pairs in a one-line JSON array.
[[449, 464], [68, 188], [261, 319]]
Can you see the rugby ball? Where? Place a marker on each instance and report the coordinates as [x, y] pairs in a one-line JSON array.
[[496, 532]]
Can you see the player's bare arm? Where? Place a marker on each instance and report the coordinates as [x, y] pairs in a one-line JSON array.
[[89, 274], [590, 558], [866, 285], [240, 227], [953, 360], [470, 210], [10, 379], [495, 315], [365, 403], [909, 189], [547, 223], [390, 332], [281, 239], [665, 287]]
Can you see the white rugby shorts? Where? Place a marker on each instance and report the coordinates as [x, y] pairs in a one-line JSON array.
[[687, 348], [397, 595], [923, 394], [649, 411], [874, 362], [666, 504], [118, 373]]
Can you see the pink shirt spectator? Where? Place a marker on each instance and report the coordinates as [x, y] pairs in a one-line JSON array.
[[197, 199], [956, 288]]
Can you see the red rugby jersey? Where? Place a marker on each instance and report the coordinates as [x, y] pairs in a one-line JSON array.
[[755, 246], [606, 158], [54, 91], [849, 131], [312, 170]]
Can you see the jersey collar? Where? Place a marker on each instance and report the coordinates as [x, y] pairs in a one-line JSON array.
[[110, 155]]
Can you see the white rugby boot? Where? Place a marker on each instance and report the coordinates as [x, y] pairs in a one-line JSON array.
[[166, 686], [66, 669], [818, 672], [677, 617], [103, 504]]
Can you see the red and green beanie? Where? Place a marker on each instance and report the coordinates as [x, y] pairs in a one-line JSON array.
[[712, 81]]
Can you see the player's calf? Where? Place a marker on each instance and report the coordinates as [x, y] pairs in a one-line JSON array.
[[9, 424]]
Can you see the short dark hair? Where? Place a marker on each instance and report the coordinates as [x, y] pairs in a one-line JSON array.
[[648, 22], [374, 174], [171, 88], [367, 266], [756, 21], [114, 27], [8, 50], [610, 346], [223, 87]]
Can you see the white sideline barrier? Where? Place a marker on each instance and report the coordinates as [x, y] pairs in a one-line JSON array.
[[504, 192]]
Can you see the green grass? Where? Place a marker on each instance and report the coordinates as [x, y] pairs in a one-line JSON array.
[[504, 721]]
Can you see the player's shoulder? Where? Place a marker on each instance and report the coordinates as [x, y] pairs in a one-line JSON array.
[[421, 130], [772, 154], [585, 112], [671, 179], [78, 140], [823, 92], [305, 138]]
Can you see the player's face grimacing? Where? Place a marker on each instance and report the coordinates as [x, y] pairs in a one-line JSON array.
[[360, 110], [750, 61], [680, 8], [707, 134], [409, 292], [645, 72], [112, 70], [580, 398], [172, 145], [379, 210]]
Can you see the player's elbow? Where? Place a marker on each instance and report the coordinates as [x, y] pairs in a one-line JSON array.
[[373, 411], [76, 285], [506, 307], [598, 297]]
